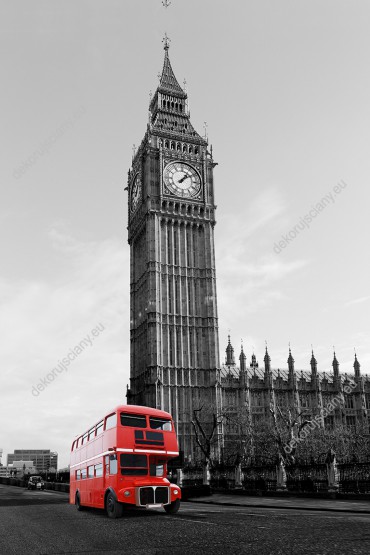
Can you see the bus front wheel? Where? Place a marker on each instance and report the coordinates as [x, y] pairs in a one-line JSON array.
[[113, 508], [173, 507], [78, 502]]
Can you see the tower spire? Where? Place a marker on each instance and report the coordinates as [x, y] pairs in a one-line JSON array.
[[242, 359], [335, 365], [230, 360], [356, 366]]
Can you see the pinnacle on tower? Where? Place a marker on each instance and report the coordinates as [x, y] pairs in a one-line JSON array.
[[313, 363], [335, 365], [356, 366], [168, 82], [242, 359], [230, 360], [267, 360], [290, 362]]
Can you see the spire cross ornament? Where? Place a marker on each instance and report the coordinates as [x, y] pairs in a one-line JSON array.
[[166, 41], [205, 129], [166, 3]]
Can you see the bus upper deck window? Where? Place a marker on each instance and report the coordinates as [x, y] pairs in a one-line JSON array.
[[111, 421], [160, 424], [133, 420]]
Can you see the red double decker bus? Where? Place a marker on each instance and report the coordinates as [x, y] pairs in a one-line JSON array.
[[122, 460]]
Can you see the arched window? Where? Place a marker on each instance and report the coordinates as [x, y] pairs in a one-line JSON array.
[[184, 148], [166, 144], [178, 146]]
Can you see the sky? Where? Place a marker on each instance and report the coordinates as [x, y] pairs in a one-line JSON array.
[[284, 88]]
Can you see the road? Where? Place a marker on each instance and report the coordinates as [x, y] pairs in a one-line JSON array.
[[44, 523]]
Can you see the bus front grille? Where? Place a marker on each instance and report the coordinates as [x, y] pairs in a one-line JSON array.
[[151, 496], [161, 495]]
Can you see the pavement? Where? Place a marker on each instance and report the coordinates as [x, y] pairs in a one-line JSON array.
[[295, 503]]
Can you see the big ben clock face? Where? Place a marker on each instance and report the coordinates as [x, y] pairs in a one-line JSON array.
[[182, 180], [135, 193]]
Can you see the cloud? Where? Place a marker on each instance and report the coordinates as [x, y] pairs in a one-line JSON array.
[[358, 301], [41, 321]]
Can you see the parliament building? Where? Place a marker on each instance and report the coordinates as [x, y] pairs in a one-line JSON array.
[[174, 355]]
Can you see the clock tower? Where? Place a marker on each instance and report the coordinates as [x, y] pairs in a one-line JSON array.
[[173, 304]]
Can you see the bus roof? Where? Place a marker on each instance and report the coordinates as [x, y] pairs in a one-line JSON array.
[[134, 409], [138, 409]]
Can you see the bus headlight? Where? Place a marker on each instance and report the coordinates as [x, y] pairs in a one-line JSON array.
[[127, 493], [175, 491]]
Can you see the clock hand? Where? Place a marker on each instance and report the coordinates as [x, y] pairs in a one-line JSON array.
[[183, 178]]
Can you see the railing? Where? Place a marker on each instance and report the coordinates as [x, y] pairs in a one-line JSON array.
[[305, 478]]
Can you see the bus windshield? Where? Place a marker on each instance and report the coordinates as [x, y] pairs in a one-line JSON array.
[[137, 465]]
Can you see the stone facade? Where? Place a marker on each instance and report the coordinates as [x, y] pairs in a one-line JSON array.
[[341, 399]]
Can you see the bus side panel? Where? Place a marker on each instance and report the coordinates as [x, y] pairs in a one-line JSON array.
[[109, 439]]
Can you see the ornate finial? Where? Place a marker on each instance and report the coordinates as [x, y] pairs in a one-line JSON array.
[[159, 75], [185, 85], [150, 96], [166, 41], [166, 3], [133, 150]]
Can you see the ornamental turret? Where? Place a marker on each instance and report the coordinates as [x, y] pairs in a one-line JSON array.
[[356, 366], [230, 360], [335, 365], [242, 360]]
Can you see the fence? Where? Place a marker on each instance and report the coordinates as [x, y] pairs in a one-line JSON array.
[[309, 477]]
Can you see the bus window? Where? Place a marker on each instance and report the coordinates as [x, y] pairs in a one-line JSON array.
[[156, 466], [99, 428], [91, 433], [90, 472], [160, 424], [83, 474], [111, 421], [84, 438], [99, 470], [134, 465], [133, 420], [111, 464], [78, 474]]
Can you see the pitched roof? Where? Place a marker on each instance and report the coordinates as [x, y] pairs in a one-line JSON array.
[[168, 82]]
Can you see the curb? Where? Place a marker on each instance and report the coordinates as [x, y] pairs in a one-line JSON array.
[[294, 508]]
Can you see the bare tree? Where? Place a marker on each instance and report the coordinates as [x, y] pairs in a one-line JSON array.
[[293, 428], [205, 433]]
